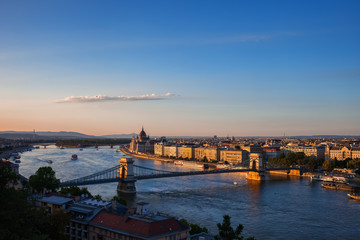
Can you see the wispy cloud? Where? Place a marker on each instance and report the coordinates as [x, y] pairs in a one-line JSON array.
[[204, 40], [105, 98], [86, 45]]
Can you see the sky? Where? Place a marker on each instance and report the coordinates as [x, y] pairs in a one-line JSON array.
[[181, 68]]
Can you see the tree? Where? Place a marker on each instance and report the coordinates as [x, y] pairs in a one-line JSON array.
[[226, 232], [98, 197], [119, 200], [75, 191], [58, 222], [194, 228], [44, 178], [7, 177], [328, 166]]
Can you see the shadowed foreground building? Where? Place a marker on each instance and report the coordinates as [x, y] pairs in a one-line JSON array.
[[109, 225]]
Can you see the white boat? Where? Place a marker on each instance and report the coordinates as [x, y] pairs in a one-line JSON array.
[[179, 163], [316, 178], [336, 179], [222, 166], [193, 164]]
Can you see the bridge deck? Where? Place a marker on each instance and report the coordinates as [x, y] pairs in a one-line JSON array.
[[162, 175]]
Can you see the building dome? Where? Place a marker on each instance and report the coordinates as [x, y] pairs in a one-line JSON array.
[[142, 134]]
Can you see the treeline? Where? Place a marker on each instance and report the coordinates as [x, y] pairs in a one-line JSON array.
[[347, 163], [298, 158], [92, 142], [18, 217]]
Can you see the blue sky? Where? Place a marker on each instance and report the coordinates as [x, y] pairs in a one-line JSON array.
[[242, 68]]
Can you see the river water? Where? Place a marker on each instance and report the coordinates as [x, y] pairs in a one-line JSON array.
[[279, 208]]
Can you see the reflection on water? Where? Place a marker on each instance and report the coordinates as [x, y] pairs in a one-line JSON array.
[[280, 208]]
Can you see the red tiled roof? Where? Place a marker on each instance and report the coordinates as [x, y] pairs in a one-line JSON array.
[[137, 226]]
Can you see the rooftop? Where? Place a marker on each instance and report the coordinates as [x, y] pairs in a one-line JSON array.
[[137, 225], [56, 200]]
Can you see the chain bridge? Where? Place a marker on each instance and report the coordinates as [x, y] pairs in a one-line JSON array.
[[127, 173]]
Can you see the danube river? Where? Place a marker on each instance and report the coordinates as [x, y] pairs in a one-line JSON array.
[[279, 208]]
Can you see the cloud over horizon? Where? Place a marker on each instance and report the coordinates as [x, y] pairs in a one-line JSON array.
[[105, 98]]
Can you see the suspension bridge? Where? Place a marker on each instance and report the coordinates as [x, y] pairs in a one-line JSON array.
[[127, 173]]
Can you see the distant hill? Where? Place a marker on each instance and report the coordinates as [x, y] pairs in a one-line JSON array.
[[118, 136], [43, 135]]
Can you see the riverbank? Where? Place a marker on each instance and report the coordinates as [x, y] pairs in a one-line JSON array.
[[144, 155], [8, 153]]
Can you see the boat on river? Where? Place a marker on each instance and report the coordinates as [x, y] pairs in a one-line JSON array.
[[335, 179], [338, 186], [50, 161], [74, 157], [179, 163], [222, 166], [355, 196], [195, 164]]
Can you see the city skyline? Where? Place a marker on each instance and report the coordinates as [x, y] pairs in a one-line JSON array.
[[204, 68]]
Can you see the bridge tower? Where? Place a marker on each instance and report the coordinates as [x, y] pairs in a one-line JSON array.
[[126, 174], [256, 165]]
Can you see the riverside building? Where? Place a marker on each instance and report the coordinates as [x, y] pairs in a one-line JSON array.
[[142, 144]]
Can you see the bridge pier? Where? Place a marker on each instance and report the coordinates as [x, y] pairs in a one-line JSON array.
[[257, 176], [256, 164], [295, 172], [126, 173], [126, 186]]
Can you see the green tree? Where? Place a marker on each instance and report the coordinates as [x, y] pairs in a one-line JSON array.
[[119, 200], [44, 178], [7, 176], [98, 197], [58, 222], [75, 191], [194, 228], [226, 232], [19, 220], [328, 166]]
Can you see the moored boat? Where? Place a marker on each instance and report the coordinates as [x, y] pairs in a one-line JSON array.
[[338, 186], [355, 196], [179, 163], [222, 166], [74, 157], [50, 161], [193, 164], [335, 179]]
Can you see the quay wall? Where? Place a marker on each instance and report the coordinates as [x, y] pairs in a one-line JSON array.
[[144, 156]]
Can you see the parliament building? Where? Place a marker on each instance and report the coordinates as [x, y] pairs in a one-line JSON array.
[[142, 144]]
